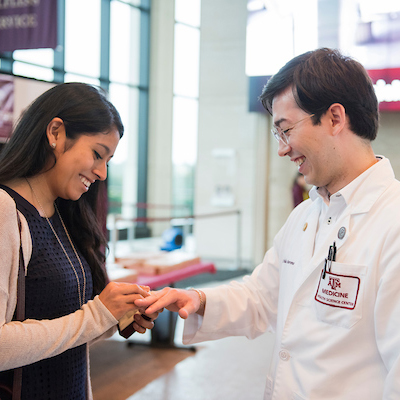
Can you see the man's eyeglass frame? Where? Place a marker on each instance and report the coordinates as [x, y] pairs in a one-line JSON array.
[[281, 134]]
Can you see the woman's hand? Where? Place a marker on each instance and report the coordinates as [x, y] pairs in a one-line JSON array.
[[119, 297], [142, 322], [185, 302]]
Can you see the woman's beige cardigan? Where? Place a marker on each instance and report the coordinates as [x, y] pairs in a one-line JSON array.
[[23, 343]]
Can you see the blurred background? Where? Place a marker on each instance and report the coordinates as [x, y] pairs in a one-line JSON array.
[[197, 169], [185, 76]]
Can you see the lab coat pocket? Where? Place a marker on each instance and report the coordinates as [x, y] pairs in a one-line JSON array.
[[339, 296]]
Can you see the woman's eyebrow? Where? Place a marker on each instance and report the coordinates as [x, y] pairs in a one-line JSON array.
[[107, 149]]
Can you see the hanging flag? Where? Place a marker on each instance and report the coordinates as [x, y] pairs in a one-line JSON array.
[[28, 24]]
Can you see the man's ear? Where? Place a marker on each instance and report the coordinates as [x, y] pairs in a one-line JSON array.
[[337, 114], [55, 132]]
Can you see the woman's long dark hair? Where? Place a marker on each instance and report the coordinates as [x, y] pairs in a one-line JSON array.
[[84, 110]]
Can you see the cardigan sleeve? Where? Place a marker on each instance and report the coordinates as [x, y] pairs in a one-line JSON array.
[[26, 342], [9, 250]]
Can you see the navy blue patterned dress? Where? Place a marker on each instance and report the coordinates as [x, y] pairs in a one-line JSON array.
[[51, 291]]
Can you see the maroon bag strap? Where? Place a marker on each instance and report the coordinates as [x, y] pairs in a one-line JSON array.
[[20, 312], [20, 315]]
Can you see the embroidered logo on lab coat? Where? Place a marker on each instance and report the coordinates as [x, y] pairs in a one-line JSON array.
[[334, 283], [338, 290]]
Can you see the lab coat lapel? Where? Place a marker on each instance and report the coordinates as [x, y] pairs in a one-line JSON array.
[[313, 259], [340, 233], [308, 237]]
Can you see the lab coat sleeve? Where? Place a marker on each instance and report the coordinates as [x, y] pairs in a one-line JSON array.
[[387, 313], [247, 308]]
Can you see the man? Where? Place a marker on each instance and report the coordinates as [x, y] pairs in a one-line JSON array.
[[329, 286]]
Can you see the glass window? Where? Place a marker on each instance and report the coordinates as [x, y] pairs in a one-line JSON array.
[[184, 152], [186, 61], [136, 3], [124, 43], [185, 120], [123, 169], [296, 24], [143, 4], [86, 45], [188, 12], [32, 71], [82, 37], [79, 78], [185, 104], [30, 63], [370, 32], [43, 57]]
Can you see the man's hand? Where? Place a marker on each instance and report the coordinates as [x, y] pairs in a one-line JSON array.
[[185, 302]]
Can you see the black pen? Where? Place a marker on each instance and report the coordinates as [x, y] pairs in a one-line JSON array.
[[334, 252], [330, 255], [328, 261], [324, 270]]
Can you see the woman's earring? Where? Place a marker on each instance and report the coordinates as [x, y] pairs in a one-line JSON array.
[[53, 145]]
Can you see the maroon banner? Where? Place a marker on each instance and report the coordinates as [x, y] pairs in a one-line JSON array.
[[6, 106], [28, 24], [387, 87]]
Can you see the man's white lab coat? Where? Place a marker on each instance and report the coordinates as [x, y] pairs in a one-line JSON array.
[[338, 337]]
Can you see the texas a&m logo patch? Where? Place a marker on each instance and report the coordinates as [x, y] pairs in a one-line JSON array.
[[334, 283], [338, 290]]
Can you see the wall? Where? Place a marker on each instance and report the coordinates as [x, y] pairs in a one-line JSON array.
[[260, 179], [160, 109], [387, 142], [225, 125], [255, 172]]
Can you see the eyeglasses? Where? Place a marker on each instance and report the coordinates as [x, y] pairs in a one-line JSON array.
[[280, 134]]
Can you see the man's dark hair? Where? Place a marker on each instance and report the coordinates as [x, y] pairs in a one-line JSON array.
[[323, 77]]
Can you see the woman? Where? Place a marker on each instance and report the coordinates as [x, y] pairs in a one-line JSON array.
[[50, 170]]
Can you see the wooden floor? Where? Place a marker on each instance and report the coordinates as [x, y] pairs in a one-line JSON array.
[[232, 368], [118, 371]]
